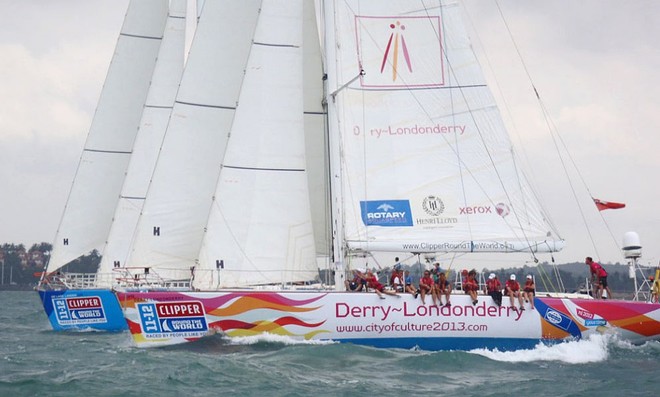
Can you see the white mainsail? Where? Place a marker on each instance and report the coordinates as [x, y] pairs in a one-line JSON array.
[[175, 212], [156, 114], [95, 190], [316, 141], [424, 161], [260, 230]]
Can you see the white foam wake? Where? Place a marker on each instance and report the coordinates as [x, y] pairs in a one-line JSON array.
[[272, 338], [589, 350]]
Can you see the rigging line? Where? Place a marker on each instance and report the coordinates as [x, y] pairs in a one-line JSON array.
[[497, 172], [519, 171], [554, 137], [453, 117], [552, 127]]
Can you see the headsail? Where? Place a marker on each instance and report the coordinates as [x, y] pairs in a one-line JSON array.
[[93, 197], [260, 229], [426, 164], [157, 110], [176, 209]]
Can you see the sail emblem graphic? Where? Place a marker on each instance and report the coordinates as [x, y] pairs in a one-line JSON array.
[[385, 207], [399, 51], [399, 41]]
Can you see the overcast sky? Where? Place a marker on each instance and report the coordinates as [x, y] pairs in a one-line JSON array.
[[595, 63]]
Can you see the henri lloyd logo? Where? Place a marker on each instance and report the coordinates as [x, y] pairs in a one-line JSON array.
[[82, 310], [172, 319], [400, 51], [434, 207], [386, 213]]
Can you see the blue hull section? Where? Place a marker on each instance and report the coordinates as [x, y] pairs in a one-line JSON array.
[[435, 344], [95, 309]]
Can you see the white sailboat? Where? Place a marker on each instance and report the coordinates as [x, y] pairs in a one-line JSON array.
[[420, 161], [130, 120]]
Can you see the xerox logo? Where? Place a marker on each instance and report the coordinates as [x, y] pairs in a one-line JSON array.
[[477, 209], [501, 209], [386, 213]]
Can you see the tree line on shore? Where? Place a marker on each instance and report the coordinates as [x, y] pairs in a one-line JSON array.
[[21, 267]]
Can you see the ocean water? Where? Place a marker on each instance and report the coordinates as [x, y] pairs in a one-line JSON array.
[[35, 361]]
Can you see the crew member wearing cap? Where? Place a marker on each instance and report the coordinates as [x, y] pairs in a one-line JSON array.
[[512, 289], [529, 290], [494, 289], [379, 289]]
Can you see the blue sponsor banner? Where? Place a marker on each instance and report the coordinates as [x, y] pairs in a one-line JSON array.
[[557, 319], [595, 322], [392, 213], [149, 318], [83, 309]]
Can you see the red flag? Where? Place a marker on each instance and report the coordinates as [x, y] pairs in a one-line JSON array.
[[608, 205]]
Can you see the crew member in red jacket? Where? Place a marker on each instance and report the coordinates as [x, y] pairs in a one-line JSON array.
[[598, 278], [512, 288]]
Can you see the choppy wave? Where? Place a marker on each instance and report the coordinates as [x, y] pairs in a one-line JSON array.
[[34, 361]]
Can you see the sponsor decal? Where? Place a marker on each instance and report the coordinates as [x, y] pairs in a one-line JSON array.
[[553, 317], [434, 207], [595, 322], [502, 209], [172, 319], [388, 312], [386, 213], [584, 314], [79, 310], [393, 47], [477, 209]]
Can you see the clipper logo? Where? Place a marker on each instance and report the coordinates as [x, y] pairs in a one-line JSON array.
[[386, 213], [172, 319], [389, 46], [80, 310]]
